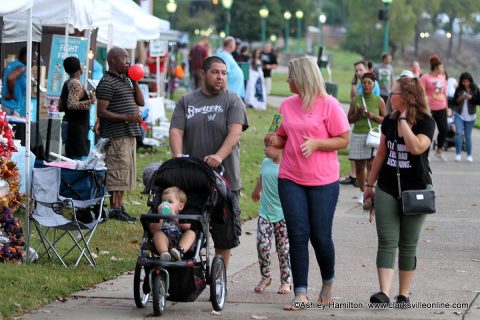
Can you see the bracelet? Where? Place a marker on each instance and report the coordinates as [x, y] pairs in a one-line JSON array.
[[369, 185], [402, 118]]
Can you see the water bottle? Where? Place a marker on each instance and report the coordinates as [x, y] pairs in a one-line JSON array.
[[165, 208]]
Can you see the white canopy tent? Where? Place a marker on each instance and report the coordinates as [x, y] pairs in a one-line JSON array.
[[148, 26], [122, 23], [116, 27], [15, 28], [7, 9], [76, 13]]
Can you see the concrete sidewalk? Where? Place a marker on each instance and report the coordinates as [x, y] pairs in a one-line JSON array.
[[448, 267]]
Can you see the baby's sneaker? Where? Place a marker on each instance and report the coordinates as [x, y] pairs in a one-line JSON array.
[[165, 256], [177, 253]]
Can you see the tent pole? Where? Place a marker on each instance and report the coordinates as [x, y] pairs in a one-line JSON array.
[[37, 115], [27, 126], [87, 64], [2, 45], [157, 75], [110, 37], [132, 56]]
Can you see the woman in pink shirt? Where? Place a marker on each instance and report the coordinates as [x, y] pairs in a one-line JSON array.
[[313, 128], [435, 86]]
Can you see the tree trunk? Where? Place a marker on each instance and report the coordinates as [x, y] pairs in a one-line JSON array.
[[450, 41], [415, 40], [460, 36]]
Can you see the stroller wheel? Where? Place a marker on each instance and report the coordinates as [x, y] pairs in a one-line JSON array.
[[218, 283], [141, 286], [159, 294]]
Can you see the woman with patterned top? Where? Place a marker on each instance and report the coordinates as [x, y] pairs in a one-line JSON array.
[[75, 102]]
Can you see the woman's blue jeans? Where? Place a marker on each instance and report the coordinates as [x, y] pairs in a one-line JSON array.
[[309, 214], [463, 129]]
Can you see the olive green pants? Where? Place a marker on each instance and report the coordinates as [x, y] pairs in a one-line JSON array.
[[396, 230]]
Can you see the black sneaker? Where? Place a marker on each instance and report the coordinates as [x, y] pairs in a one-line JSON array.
[[122, 208], [402, 302], [348, 180], [380, 297], [122, 216], [112, 213]]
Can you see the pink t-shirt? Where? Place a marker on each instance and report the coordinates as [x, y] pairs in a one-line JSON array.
[[436, 91], [325, 120]]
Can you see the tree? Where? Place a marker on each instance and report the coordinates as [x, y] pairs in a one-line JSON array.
[[402, 22], [461, 10], [363, 36], [424, 9]]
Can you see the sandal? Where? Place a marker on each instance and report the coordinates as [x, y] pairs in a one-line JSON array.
[[285, 288], [298, 303], [325, 297], [263, 284]]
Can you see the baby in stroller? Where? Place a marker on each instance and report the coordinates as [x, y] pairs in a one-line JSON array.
[[181, 280], [170, 234]]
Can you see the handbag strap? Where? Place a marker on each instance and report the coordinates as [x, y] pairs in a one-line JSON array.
[[395, 142], [365, 106]]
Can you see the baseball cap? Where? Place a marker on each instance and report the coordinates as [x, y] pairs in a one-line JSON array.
[[406, 74]]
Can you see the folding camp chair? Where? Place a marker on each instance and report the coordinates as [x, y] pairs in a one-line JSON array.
[[55, 216]]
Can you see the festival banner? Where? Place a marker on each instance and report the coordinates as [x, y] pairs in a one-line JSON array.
[[76, 47]]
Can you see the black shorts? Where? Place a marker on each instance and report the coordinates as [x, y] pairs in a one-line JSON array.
[[226, 231]]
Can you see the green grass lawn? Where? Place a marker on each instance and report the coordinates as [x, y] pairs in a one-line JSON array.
[[28, 286]]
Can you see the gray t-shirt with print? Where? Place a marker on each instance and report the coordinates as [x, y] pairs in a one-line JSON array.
[[205, 120], [384, 74]]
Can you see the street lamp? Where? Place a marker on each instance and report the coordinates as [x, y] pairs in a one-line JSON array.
[[299, 16], [171, 8], [273, 39], [227, 4], [322, 18], [263, 12], [386, 3], [287, 15]]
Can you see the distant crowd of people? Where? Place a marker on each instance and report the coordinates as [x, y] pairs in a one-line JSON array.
[[249, 75]]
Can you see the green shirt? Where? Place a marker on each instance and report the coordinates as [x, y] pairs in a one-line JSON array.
[[373, 106]]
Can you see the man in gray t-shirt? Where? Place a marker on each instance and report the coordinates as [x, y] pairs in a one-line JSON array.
[[208, 123], [384, 74]]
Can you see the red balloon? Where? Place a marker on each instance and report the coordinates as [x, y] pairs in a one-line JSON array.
[[136, 72]]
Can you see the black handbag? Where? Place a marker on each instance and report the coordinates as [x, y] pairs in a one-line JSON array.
[[414, 201], [418, 201]]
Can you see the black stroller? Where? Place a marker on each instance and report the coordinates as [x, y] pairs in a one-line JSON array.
[[182, 281]]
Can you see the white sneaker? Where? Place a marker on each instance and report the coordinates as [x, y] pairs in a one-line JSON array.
[[165, 256], [469, 158], [458, 157], [360, 198], [440, 156]]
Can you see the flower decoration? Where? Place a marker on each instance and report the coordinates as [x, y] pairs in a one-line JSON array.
[[11, 232], [11, 243], [7, 146]]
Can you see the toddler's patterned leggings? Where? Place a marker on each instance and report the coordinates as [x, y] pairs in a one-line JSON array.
[[265, 232]]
